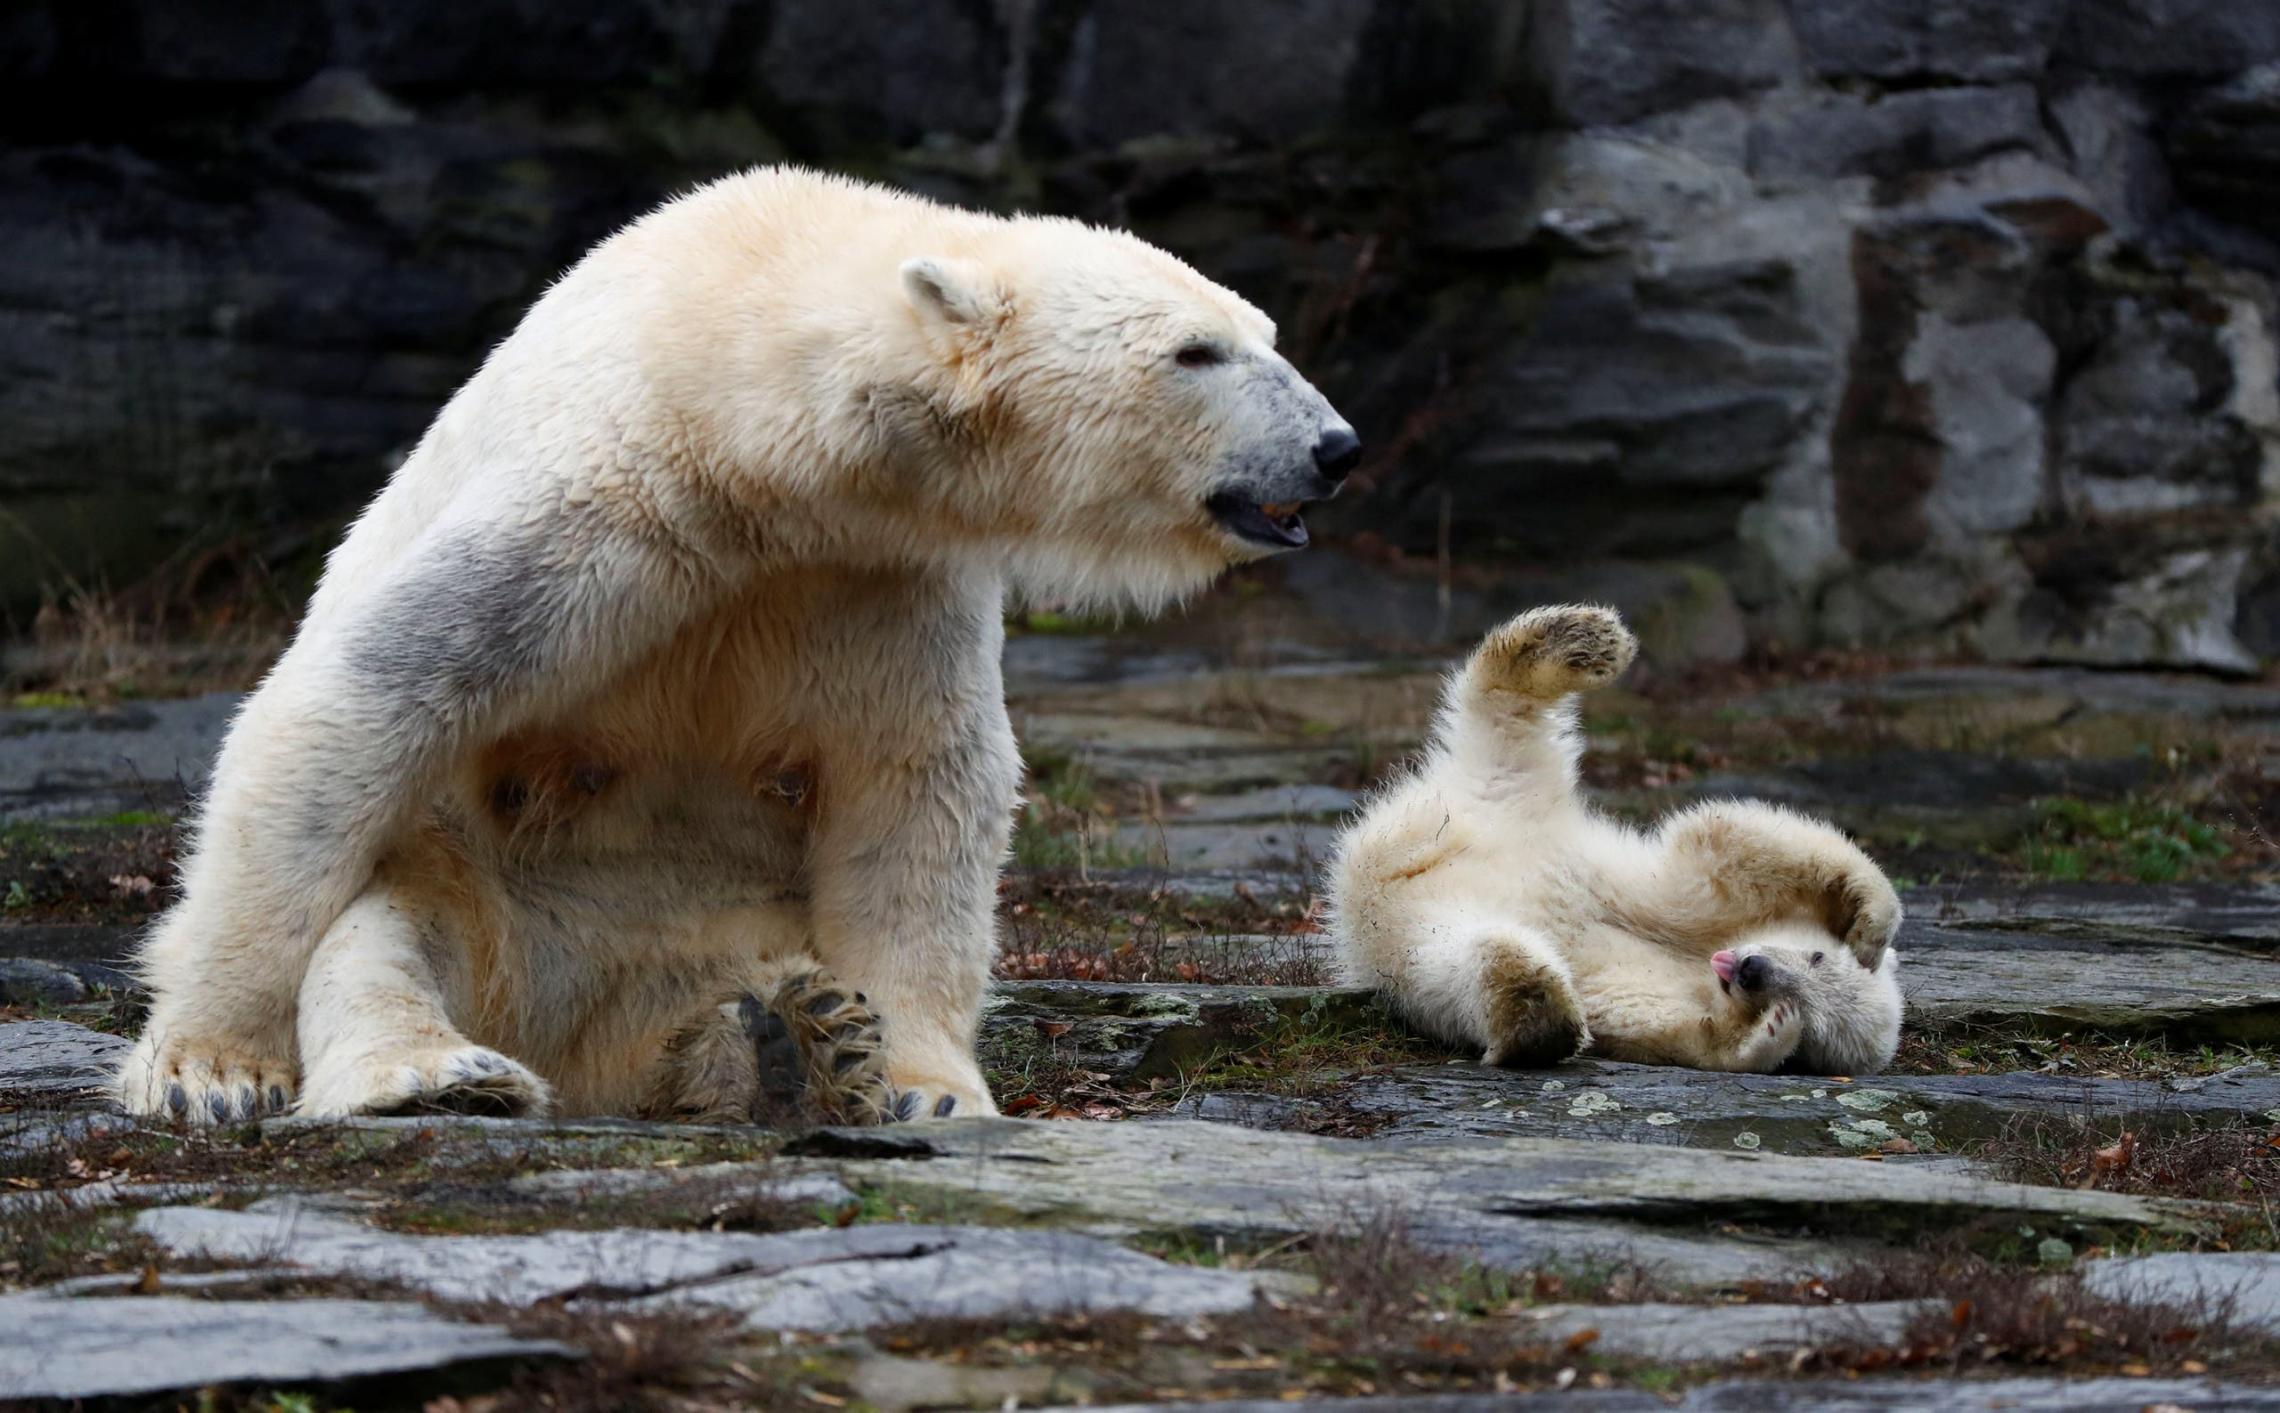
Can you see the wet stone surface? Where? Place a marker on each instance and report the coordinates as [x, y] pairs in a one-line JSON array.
[[1658, 1230], [1934, 1115], [56, 1060], [64, 1348], [820, 1280]]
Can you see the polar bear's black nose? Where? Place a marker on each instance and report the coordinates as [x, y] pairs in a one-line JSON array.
[[1338, 453], [1753, 973]]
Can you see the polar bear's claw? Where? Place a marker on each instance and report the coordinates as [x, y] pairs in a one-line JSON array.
[[164, 1079], [821, 1056]]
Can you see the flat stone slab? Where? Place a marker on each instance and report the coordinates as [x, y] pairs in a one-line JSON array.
[[2186, 992], [35, 1133], [81, 762], [624, 1263], [823, 1279], [101, 1347], [1799, 1115], [1513, 1203], [971, 1273], [2245, 916], [56, 1059], [28, 981], [570, 1185], [2245, 1284], [1718, 1334], [2100, 1395]]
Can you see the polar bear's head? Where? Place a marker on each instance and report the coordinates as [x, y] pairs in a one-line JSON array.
[[1130, 417], [1849, 1014]]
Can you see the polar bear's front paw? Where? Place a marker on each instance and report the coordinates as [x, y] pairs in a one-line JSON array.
[[464, 1079], [933, 1096], [1757, 1017], [1766, 1043], [1552, 652], [821, 1056], [181, 1074]]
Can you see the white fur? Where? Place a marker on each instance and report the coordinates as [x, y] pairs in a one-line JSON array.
[[669, 658], [1483, 895]]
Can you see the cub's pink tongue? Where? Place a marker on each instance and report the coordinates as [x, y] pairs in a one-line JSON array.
[[1723, 963]]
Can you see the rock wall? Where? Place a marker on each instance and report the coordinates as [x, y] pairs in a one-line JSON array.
[[1936, 322]]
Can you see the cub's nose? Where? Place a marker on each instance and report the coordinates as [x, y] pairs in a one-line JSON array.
[[1753, 973], [1338, 453]]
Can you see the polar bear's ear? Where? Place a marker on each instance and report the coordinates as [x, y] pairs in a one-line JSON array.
[[953, 291]]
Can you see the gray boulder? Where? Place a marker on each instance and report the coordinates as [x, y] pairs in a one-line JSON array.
[[1974, 41], [25, 981], [1844, 136], [2170, 38], [1610, 61], [1201, 68], [2225, 149], [55, 1059]]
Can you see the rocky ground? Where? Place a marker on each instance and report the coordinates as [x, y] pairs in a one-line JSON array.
[[1220, 1177]]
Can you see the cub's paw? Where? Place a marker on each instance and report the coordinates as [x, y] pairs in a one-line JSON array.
[[1767, 1041], [1535, 1019], [1758, 1018], [1864, 913], [198, 1079], [1552, 652], [465, 1079], [821, 1058]]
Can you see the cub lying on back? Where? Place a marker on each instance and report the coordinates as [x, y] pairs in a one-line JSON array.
[[1493, 907]]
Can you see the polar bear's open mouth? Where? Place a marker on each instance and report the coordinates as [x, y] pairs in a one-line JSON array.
[[1276, 524]]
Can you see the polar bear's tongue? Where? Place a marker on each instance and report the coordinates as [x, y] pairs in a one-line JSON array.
[[1723, 963]]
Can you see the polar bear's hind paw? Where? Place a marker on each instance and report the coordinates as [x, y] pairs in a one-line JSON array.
[[821, 1056], [1551, 652], [1535, 1018]]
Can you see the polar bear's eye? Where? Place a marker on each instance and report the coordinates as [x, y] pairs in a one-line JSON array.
[[1817, 958], [1199, 355]]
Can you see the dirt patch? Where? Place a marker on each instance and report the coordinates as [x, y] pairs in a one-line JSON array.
[[1996, 1315], [1061, 928], [118, 870]]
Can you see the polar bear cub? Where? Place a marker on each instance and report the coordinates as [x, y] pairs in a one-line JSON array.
[[1494, 907]]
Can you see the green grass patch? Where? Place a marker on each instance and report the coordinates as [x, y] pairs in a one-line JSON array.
[[2133, 839], [1067, 824]]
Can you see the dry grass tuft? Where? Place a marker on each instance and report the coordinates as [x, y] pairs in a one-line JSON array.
[[207, 620], [1991, 1314], [634, 1362], [1060, 929]]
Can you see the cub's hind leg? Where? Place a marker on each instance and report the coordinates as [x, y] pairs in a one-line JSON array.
[[1503, 990], [376, 1028], [1532, 1014], [1509, 721], [793, 1048]]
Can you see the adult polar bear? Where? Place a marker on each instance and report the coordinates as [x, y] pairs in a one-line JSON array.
[[666, 669]]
